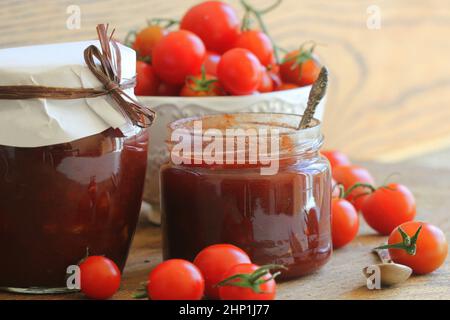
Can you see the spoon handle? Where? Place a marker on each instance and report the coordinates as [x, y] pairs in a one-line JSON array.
[[384, 255], [315, 95]]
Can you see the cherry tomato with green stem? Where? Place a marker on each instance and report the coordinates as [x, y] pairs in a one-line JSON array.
[[344, 221], [214, 261], [147, 82], [389, 206], [215, 22], [418, 245], [239, 72], [248, 282], [178, 55], [348, 176], [99, 277], [259, 44], [175, 279], [300, 66], [203, 85]]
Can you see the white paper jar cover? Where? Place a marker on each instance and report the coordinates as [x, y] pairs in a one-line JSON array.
[[43, 122]]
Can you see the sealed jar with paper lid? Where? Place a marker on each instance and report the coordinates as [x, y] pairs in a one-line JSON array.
[[71, 171], [249, 179]]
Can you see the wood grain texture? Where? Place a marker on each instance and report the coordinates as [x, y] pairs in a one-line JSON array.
[[389, 97], [342, 277]]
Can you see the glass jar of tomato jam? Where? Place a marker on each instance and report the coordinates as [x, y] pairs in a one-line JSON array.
[[278, 218], [60, 202]]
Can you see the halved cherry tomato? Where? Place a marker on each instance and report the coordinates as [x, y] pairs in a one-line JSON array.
[[211, 62], [215, 22], [99, 277], [258, 43], [300, 67], [266, 83], [266, 290], [239, 71], [214, 261], [389, 206], [147, 82], [203, 85], [146, 40], [344, 222], [348, 176], [336, 158], [175, 279], [424, 254], [178, 55]]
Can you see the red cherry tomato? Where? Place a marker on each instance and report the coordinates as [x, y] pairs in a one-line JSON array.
[[266, 83], [344, 222], [230, 292], [168, 90], [388, 207], [301, 72], [431, 247], [349, 175], [178, 55], [99, 277], [287, 86], [258, 43], [336, 158], [146, 40], [239, 71], [215, 22], [146, 81], [214, 261], [175, 279], [211, 62], [201, 86]]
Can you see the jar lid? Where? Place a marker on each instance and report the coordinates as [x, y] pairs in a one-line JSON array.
[[43, 122]]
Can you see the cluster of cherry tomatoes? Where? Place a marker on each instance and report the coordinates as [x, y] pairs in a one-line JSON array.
[[213, 273], [389, 210], [213, 53]]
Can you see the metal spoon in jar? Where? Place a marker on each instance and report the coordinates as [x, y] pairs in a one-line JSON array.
[[390, 273]]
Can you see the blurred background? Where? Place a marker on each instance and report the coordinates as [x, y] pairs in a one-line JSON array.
[[389, 98]]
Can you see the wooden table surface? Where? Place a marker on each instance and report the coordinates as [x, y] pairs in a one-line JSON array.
[[388, 101], [342, 277]]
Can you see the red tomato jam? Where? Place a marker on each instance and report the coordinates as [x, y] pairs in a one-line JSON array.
[[60, 202], [283, 218]]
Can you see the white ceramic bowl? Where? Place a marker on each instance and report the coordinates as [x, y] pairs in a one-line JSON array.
[[169, 109]]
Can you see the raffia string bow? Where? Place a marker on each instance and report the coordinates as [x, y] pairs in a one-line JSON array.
[[108, 72]]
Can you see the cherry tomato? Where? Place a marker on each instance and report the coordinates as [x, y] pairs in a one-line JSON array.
[[99, 277], [201, 86], [215, 22], [146, 81], [211, 61], [276, 80], [344, 222], [266, 83], [258, 43], [299, 67], [230, 292], [178, 55], [168, 90], [349, 175], [431, 247], [336, 158], [175, 279], [239, 71], [287, 86], [146, 40], [388, 207], [214, 261]]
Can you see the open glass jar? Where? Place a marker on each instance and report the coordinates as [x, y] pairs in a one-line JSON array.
[[60, 202], [282, 217]]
